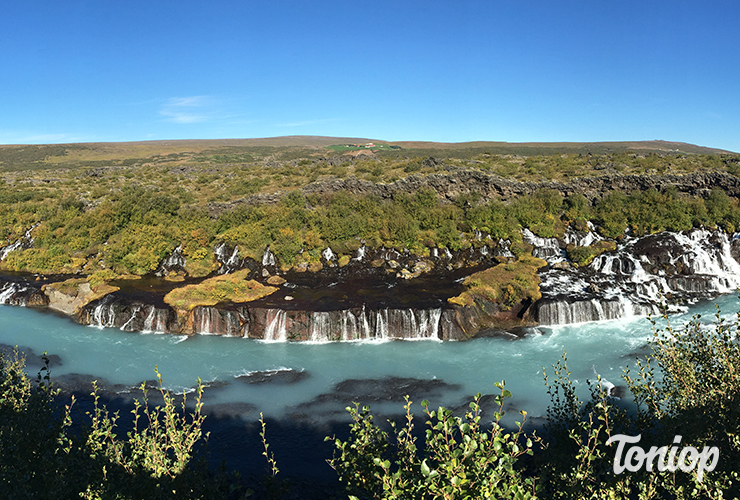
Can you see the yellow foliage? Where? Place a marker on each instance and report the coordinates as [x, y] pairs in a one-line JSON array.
[[226, 288], [506, 284]]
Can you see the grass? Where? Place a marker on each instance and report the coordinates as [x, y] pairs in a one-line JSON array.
[[361, 146], [507, 284], [124, 207], [227, 288], [583, 256]]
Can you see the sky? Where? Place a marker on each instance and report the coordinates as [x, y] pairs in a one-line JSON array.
[[450, 71]]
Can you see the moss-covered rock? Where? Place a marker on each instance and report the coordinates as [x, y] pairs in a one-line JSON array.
[[583, 256], [72, 295], [227, 288], [506, 284]]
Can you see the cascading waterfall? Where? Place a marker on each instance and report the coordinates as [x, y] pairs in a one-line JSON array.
[[127, 326], [233, 261], [360, 254], [641, 274], [268, 259], [328, 255], [25, 242], [275, 330], [9, 292], [229, 259], [544, 248], [104, 315], [582, 238], [353, 324]]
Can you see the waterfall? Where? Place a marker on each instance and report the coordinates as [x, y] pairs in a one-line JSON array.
[[156, 320], [582, 238], [275, 330], [205, 320], [353, 324], [360, 254], [104, 316], [8, 291], [220, 252], [233, 261], [320, 329], [562, 312], [544, 248], [214, 321], [639, 276], [229, 259], [21, 243], [176, 261], [126, 325], [149, 325], [6, 250], [503, 249], [381, 324], [328, 255], [429, 324], [268, 259]]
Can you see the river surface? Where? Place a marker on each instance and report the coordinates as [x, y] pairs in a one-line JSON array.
[[308, 381]]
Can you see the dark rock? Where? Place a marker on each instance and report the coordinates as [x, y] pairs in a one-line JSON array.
[[280, 377], [618, 391], [33, 360], [235, 409], [215, 384], [393, 389], [80, 383]]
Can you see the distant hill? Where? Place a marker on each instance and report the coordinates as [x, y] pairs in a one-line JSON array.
[[287, 148], [566, 147]]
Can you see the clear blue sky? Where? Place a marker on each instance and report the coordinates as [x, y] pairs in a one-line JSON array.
[[515, 70]]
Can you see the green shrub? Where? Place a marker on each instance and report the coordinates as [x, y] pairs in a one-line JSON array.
[[45, 454], [461, 457]]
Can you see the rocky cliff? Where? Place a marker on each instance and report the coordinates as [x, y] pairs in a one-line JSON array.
[[490, 186]]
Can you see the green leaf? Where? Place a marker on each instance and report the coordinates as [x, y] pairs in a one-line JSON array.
[[425, 468]]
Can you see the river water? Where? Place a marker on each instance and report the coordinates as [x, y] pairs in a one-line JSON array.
[[315, 381]]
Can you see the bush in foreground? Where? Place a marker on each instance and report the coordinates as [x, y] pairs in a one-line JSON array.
[[42, 455]]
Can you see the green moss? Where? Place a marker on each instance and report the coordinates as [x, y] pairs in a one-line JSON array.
[[199, 268], [227, 288], [583, 256], [506, 284]]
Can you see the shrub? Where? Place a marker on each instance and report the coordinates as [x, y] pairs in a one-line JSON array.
[[45, 454], [462, 458], [689, 386]]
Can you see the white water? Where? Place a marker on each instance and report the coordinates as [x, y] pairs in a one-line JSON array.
[[676, 268], [129, 358]]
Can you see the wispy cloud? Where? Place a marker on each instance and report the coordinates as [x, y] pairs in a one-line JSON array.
[[193, 109]]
